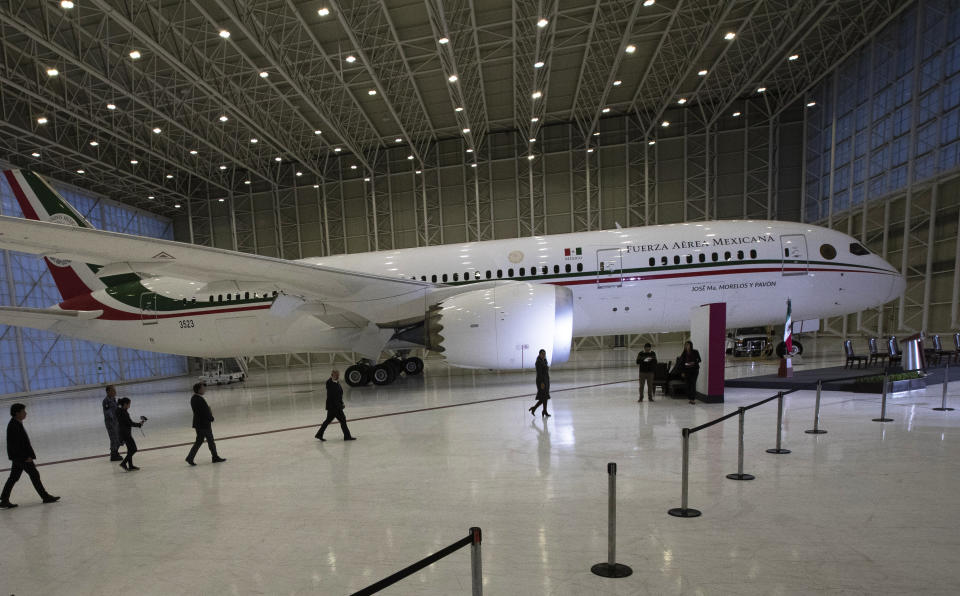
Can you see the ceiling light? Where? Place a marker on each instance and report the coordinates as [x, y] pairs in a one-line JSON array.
[[531, 157], [41, 120], [94, 143], [398, 140], [473, 165], [264, 74], [682, 100], [111, 106], [52, 72], [458, 109], [793, 57], [254, 141], [730, 35], [151, 197], [810, 104], [617, 83], [542, 23], [246, 182], [224, 33], [372, 92], [465, 130], [323, 11], [452, 78], [532, 140], [193, 152], [736, 114], [470, 150], [337, 149], [596, 134], [702, 72], [223, 118], [135, 54], [536, 95], [665, 123], [538, 64], [605, 110], [761, 89], [365, 180], [318, 132], [651, 142], [176, 205], [169, 176], [81, 172], [35, 154], [299, 173], [649, 2], [416, 172], [220, 200], [66, 4], [590, 150], [409, 157], [630, 49], [534, 119], [443, 41], [316, 186], [223, 167], [351, 58], [353, 167], [157, 130], [134, 162], [278, 159]]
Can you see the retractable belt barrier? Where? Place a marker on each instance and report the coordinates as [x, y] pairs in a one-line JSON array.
[[476, 571], [611, 568]]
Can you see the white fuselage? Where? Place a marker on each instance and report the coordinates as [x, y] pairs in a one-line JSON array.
[[624, 281]]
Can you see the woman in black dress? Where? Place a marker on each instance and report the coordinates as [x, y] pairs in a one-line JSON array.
[[125, 426], [689, 361], [543, 384]]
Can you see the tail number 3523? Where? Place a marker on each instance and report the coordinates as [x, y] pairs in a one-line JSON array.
[[186, 323]]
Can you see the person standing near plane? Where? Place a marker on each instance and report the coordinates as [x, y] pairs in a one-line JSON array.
[[125, 426], [647, 363], [335, 407], [21, 457], [110, 421], [202, 417], [543, 384], [689, 362]]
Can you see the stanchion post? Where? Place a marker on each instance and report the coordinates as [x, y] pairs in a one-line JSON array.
[[476, 565], [683, 510], [816, 430], [611, 568], [883, 401], [778, 449], [740, 475], [943, 399]]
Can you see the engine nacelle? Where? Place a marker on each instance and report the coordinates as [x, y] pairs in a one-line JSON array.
[[503, 327]]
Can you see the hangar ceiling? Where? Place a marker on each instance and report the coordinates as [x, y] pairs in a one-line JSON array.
[[154, 102]]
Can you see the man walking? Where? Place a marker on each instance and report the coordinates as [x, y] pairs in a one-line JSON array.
[[335, 407], [202, 417], [21, 455], [647, 362], [110, 421]]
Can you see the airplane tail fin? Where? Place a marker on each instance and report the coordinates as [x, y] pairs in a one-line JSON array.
[[39, 201]]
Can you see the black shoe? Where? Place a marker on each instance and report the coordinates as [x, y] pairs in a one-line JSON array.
[[190, 461], [545, 415], [7, 505], [50, 499], [219, 459], [349, 438], [321, 438], [650, 398], [132, 467], [115, 457], [641, 399], [124, 466], [692, 402], [532, 412]]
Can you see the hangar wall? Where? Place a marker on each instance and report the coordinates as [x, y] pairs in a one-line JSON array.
[[882, 160], [741, 166], [32, 360]]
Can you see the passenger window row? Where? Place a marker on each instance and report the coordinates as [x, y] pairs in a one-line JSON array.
[[235, 297], [499, 273], [702, 258]]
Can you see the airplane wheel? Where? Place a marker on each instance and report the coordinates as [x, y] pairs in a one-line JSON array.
[[383, 374], [394, 365], [413, 366], [357, 375], [782, 349]]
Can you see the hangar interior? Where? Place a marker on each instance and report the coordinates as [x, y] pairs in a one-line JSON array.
[[299, 128]]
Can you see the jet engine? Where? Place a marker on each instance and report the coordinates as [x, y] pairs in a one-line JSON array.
[[503, 327]]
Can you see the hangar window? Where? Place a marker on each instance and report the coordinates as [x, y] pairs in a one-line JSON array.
[[714, 257], [858, 249], [567, 267], [456, 277], [499, 273], [676, 259], [689, 259], [579, 266], [652, 261], [739, 255], [489, 274], [726, 255], [523, 271], [433, 278], [510, 272], [556, 268], [444, 278], [753, 253], [702, 257]]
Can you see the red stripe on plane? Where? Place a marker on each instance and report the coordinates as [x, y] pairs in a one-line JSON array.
[[575, 282]]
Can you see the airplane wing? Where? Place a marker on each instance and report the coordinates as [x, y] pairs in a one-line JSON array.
[[368, 295], [42, 318]]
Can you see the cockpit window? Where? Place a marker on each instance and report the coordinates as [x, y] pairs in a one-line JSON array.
[[828, 252], [858, 249]]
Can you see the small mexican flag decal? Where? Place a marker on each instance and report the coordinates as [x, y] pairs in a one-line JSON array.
[[567, 252]]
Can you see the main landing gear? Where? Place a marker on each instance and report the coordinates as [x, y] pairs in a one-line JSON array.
[[384, 373]]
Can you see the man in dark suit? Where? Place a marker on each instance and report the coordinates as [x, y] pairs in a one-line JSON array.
[[21, 455], [202, 417], [335, 407]]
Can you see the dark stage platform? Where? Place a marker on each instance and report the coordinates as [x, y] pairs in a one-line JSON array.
[[807, 379]]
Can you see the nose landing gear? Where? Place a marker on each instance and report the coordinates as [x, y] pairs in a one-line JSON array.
[[384, 373]]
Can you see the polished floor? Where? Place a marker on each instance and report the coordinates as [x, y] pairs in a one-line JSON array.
[[868, 508]]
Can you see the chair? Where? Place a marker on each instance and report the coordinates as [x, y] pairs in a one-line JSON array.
[[661, 376], [875, 355], [851, 357], [893, 350], [940, 352]]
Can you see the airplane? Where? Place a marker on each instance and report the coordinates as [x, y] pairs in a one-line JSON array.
[[488, 304]]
